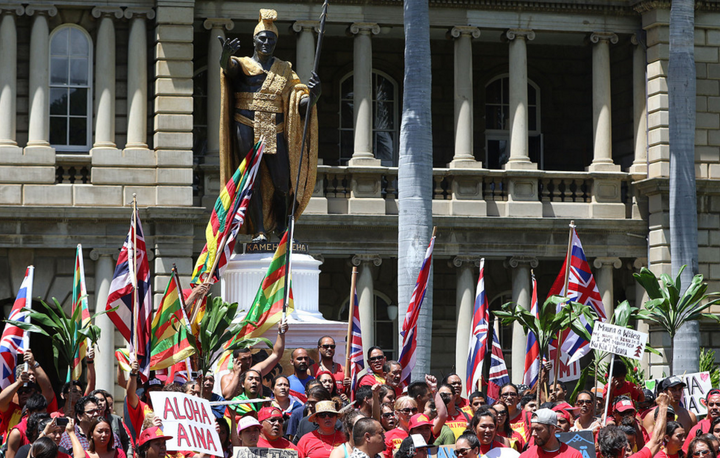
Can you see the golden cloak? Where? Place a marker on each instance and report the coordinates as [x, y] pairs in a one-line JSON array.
[[292, 93]]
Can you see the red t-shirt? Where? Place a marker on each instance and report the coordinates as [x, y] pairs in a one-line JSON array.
[[485, 448], [626, 388], [338, 375], [137, 416], [516, 440], [663, 454], [316, 445], [457, 423], [703, 425], [371, 380], [393, 439], [564, 451], [280, 442], [9, 419], [643, 453]]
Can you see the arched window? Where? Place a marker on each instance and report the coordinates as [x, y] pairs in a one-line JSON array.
[[70, 89], [385, 118], [497, 122]]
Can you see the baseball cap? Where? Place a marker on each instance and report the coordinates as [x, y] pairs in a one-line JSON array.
[[418, 441], [419, 419], [248, 422], [624, 405], [269, 412], [150, 434], [544, 417], [671, 382], [649, 395]]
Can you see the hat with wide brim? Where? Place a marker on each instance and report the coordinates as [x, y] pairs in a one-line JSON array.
[[323, 406]]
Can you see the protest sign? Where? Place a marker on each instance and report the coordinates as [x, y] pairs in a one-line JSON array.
[[582, 441], [189, 420], [443, 451], [696, 388], [257, 452], [618, 340]]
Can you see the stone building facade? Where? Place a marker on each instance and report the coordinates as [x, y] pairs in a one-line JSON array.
[[543, 112]]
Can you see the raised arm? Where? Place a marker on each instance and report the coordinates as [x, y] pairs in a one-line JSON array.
[[90, 359], [229, 48], [40, 377], [77, 448], [658, 434], [230, 382], [6, 395], [264, 367], [131, 387]]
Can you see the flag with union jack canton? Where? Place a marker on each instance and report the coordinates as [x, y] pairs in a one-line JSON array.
[[14, 340], [532, 348], [498, 375], [409, 327], [582, 289], [357, 363]]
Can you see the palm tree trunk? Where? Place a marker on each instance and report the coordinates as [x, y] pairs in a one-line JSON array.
[[683, 211], [415, 174]]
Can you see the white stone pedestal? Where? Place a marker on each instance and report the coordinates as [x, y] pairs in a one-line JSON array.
[[240, 284]]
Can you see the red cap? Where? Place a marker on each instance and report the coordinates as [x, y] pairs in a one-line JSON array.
[[419, 419], [624, 405], [269, 412], [150, 434]]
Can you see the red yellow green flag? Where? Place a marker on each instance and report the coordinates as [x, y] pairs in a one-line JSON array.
[[79, 299], [169, 340]]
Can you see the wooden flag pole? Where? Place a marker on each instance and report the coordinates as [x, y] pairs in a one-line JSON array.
[[568, 256], [351, 314], [134, 273]]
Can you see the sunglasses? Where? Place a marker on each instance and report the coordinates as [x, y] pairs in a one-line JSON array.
[[275, 419], [376, 358], [328, 347], [93, 411], [388, 414], [326, 415], [583, 402], [462, 451], [409, 410], [22, 391], [500, 412], [701, 453]]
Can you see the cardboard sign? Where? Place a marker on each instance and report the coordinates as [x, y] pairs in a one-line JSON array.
[[582, 441], [697, 386], [256, 452], [189, 420], [618, 340]]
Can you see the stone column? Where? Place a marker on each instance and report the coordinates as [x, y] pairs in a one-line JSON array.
[[639, 165], [362, 93], [105, 77], [305, 57], [137, 77], [39, 80], [519, 152], [464, 127], [464, 302], [640, 298], [604, 281], [521, 295], [602, 110], [217, 27], [105, 359], [366, 296], [8, 73]]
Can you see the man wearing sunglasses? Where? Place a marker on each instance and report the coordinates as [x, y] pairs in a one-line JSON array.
[[271, 419], [674, 387], [86, 410], [326, 353], [376, 361], [712, 401]]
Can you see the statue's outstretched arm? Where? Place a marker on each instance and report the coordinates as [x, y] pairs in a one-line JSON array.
[[230, 47]]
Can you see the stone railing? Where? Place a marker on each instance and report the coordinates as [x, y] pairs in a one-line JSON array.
[[72, 168], [478, 192]]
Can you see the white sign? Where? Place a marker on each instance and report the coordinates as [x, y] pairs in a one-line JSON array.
[[618, 340], [566, 372], [189, 420], [695, 392]]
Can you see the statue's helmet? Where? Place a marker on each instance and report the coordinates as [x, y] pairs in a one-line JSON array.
[[266, 22]]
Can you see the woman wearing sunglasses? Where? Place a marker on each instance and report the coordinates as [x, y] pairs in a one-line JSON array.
[[321, 442], [467, 446], [503, 426], [405, 408], [701, 448]]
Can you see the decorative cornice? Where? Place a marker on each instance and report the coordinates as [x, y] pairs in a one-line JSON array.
[[300, 26], [133, 12], [597, 37], [639, 263], [12, 8], [515, 261], [96, 253], [527, 34], [601, 262], [49, 10], [464, 31], [100, 11], [218, 22], [649, 5], [360, 258], [364, 28], [458, 261]]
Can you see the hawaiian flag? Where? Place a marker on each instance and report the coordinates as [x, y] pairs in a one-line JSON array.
[[14, 340], [132, 272], [582, 289], [409, 327], [498, 371], [532, 348], [228, 216], [357, 363], [79, 299], [170, 329]]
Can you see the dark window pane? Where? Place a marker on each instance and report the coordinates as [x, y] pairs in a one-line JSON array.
[[78, 131], [532, 118], [346, 91], [58, 70], [492, 93], [200, 110], [78, 102], [59, 43], [347, 115], [531, 95], [384, 147], [346, 144], [506, 117], [384, 89], [505, 90], [497, 153], [383, 116], [199, 140], [58, 101], [78, 43], [79, 72], [384, 335], [58, 131], [493, 117]]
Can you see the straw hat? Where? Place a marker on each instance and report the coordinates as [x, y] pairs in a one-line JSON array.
[[323, 406]]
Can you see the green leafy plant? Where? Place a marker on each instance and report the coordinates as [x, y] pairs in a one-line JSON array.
[[707, 364], [66, 332], [216, 330], [670, 309]]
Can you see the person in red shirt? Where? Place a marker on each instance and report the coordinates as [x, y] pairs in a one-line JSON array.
[[713, 406], [503, 426], [612, 442], [271, 419], [455, 382], [405, 408], [457, 420], [467, 446], [137, 409], [376, 361], [321, 442], [674, 439], [484, 424], [619, 386], [624, 412], [326, 353], [249, 431], [543, 424], [392, 373]]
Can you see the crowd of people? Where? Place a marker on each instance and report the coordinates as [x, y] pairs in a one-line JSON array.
[[315, 411]]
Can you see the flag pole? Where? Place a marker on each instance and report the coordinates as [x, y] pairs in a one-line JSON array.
[[134, 261], [351, 314], [568, 256], [188, 360]]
